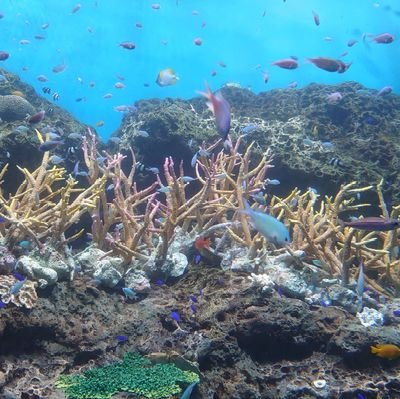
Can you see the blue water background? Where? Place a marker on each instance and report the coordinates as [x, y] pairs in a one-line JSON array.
[[236, 32]]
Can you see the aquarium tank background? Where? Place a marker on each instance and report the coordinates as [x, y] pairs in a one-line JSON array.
[[199, 199], [245, 37]]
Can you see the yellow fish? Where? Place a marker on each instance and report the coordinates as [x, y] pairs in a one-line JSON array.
[[386, 351], [166, 77], [100, 123], [18, 93]]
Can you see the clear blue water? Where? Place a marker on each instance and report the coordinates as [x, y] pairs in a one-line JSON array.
[[236, 32]]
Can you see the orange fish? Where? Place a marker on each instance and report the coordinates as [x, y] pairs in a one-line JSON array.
[[386, 351], [202, 243]]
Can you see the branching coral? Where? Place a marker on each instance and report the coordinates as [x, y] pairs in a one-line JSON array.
[[319, 232], [45, 205]]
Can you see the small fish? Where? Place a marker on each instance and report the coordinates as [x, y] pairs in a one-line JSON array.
[[221, 111], [100, 123], [259, 198], [193, 308], [351, 42], [121, 338], [139, 25], [21, 129], [386, 351], [39, 37], [42, 78], [164, 189], [198, 41], [75, 136], [197, 259], [56, 160], [18, 93], [249, 128], [268, 226], [194, 160], [166, 77], [384, 91], [272, 182], [107, 96], [76, 9], [286, 63], [45, 25], [119, 85], [383, 38], [129, 293], [396, 312], [16, 287], [59, 68], [142, 133], [293, 85], [202, 243], [374, 223], [125, 108], [50, 145], [19, 276], [46, 90], [327, 145], [193, 298], [4, 55], [316, 18], [175, 315], [55, 96], [188, 179], [155, 6], [36, 118], [335, 162], [330, 64], [24, 42], [2, 304]]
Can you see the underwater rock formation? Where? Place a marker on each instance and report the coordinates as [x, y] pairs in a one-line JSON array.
[[316, 142], [14, 108]]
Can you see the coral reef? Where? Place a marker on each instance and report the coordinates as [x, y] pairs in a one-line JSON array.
[[14, 108], [305, 132]]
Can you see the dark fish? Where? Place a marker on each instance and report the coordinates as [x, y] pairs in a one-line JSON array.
[[128, 45], [384, 38], [330, 64], [396, 312], [193, 298], [316, 18], [36, 118], [46, 90], [18, 276], [193, 307], [373, 223], [50, 145], [2, 304], [3, 55], [286, 63]]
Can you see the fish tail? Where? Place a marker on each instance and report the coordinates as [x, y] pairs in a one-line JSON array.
[[374, 350]]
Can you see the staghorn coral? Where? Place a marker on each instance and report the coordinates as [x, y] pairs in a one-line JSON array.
[[45, 205], [26, 295], [14, 108]]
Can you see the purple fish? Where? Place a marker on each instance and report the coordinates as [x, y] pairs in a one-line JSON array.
[[221, 110], [373, 223], [193, 298], [18, 276], [2, 304], [175, 315], [383, 38], [385, 90], [193, 307]]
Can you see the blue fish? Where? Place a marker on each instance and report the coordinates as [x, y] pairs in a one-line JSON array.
[[193, 298], [175, 315], [396, 312], [121, 338], [193, 307], [2, 304], [19, 276], [15, 288], [188, 391], [129, 293], [268, 226]]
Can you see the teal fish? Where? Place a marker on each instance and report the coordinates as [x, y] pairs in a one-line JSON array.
[[268, 226]]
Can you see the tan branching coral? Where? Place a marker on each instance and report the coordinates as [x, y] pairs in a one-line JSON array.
[[319, 231], [45, 205]]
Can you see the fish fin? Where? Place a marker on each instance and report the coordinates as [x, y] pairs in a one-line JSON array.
[[374, 349]]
